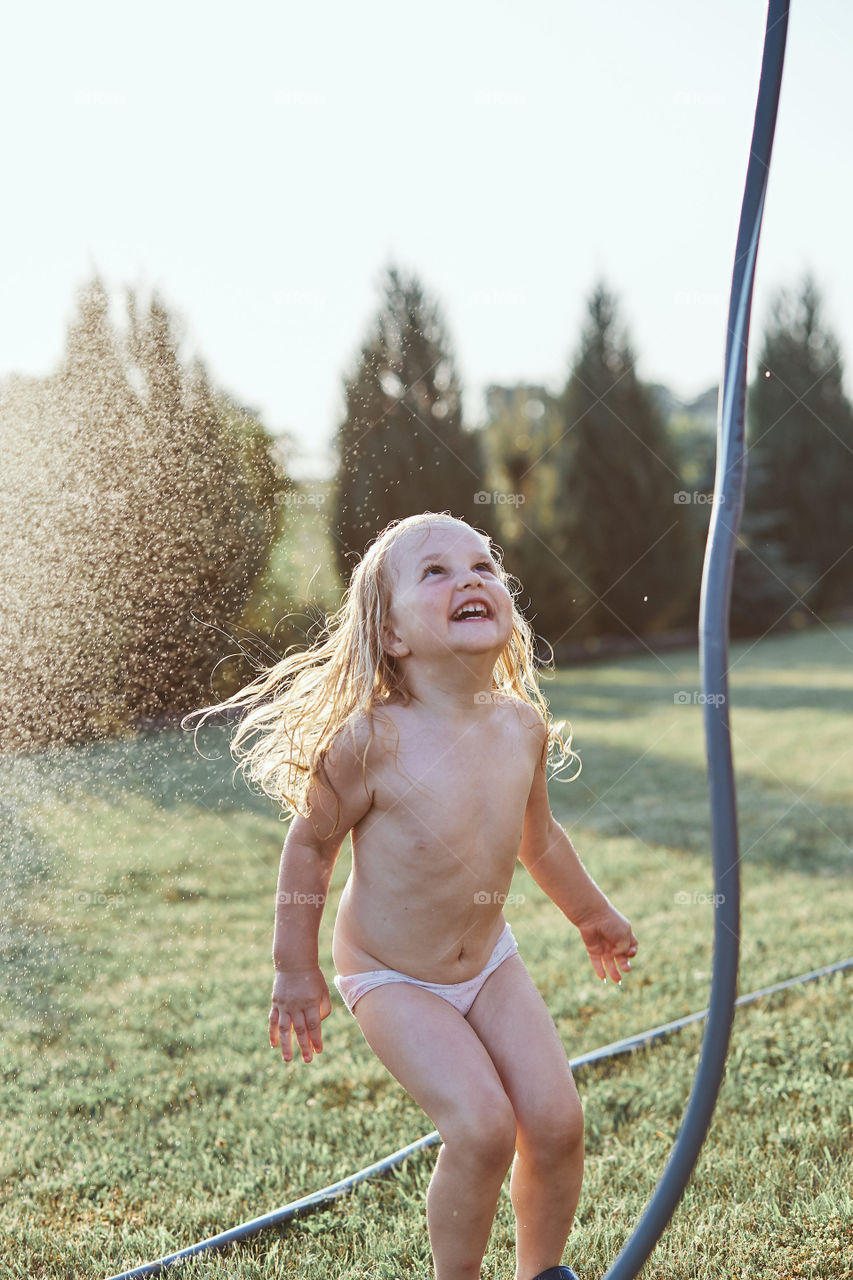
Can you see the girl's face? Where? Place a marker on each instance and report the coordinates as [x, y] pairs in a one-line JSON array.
[[446, 594]]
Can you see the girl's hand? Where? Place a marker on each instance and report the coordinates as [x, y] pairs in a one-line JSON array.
[[300, 1000], [610, 942]]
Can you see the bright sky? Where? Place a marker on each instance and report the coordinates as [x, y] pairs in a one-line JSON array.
[[261, 164]]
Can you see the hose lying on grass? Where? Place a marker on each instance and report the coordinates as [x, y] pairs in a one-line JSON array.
[[318, 1199]]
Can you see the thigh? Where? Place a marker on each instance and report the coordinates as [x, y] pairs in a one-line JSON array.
[[434, 1053], [513, 1023]]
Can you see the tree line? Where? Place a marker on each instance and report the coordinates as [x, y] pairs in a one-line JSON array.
[[146, 511], [590, 497]]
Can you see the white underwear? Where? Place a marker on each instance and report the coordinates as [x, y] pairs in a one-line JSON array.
[[460, 994]]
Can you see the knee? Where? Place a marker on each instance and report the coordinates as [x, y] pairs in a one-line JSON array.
[[484, 1133], [554, 1132]]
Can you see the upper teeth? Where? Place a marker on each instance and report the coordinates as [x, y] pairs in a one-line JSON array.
[[471, 611]]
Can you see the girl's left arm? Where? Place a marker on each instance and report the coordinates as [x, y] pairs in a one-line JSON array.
[[553, 862]]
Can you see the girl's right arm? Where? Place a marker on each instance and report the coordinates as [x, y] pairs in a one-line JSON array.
[[300, 997]]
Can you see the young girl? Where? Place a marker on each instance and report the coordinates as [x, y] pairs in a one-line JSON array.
[[419, 728]]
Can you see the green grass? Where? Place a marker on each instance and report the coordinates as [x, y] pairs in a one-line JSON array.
[[143, 1108]]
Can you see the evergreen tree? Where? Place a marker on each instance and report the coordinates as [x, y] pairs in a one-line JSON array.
[[797, 553], [212, 483], [402, 446], [623, 544], [148, 507], [522, 443]]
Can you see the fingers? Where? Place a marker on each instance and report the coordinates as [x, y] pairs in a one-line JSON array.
[[308, 1034], [280, 1033], [624, 957], [604, 964], [612, 964], [304, 1024], [619, 962], [306, 1029]]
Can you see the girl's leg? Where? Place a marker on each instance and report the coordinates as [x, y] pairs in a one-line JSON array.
[[513, 1023], [429, 1047]]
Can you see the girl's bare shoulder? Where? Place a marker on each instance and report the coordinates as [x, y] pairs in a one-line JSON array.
[[389, 716], [528, 728], [370, 732], [527, 716]]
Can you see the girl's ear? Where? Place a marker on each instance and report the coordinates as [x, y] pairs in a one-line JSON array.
[[391, 642]]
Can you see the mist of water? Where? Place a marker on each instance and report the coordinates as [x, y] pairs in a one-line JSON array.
[[129, 518]]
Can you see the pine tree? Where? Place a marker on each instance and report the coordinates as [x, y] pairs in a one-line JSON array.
[[623, 545], [213, 490], [402, 446], [522, 442], [147, 509], [797, 553]]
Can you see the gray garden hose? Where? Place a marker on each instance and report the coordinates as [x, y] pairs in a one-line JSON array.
[[720, 549]]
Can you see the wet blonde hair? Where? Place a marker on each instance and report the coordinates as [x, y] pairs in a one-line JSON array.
[[299, 705]]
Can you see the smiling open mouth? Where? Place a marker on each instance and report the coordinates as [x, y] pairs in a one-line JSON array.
[[470, 612]]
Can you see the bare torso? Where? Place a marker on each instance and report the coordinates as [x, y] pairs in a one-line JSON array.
[[433, 857]]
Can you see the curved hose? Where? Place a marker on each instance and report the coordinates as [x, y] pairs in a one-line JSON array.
[[717, 572]]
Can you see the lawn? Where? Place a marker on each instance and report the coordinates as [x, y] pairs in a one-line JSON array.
[[143, 1108]]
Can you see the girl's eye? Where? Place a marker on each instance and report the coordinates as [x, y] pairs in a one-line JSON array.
[[484, 564]]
